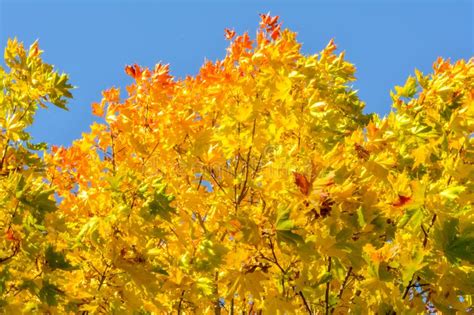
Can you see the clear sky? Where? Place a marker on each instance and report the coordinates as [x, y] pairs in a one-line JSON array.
[[94, 40]]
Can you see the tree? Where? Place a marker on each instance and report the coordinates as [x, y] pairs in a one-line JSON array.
[[30, 259], [260, 186]]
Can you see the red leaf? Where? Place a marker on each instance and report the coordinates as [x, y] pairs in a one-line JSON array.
[[402, 200], [10, 235], [275, 33], [302, 182], [229, 34], [273, 20], [133, 71], [268, 22]]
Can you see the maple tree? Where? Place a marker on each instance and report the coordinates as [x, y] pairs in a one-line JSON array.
[[29, 260], [257, 186]]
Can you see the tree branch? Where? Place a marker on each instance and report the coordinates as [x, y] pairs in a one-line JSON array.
[[15, 251], [305, 303], [425, 240], [328, 284], [344, 283], [407, 289], [181, 302]]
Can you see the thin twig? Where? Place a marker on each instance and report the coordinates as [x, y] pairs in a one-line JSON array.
[[275, 258], [180, 302], [114, 168], [4, 155], [199, 184], [103, 277], [217, 306], [344, 283], [305, 303], [326, 295], [425, 240], [407, 289], [211, 172]]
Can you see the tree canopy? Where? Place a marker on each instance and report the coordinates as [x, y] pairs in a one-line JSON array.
[[258, 186]]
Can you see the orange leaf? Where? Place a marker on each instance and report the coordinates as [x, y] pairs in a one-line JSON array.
[[229, 34], [275, 33], [133, 71], [269, 22], [98, 109], [10, 235]]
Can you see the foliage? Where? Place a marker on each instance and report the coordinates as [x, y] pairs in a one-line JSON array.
[[29, 261], [258, 185]]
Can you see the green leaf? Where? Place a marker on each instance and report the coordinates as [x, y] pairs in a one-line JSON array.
[[160, 270], [424, 131], [48, 293], [412, 216], [4, 277], [384, 272], [37, 146], [452, 192], [324, 278], [456, 246], [56, 260], [289, 237], [360, 217], [460, 248], [88, 228], [284, 227], [40, 203], [160, 205]]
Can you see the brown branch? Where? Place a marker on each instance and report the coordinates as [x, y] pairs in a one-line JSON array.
[[150, 154], [114, 168], [199, 184], [235, 176], [413, 285], [326, 294], [305, 303], [13, 215], [407, 289], [425, 240], [244, 190], [181, 302], [344, 283], [211, 172], [217, 305], [15, 251], [232, 306], [201, 222], [103, 277], [275, 262], [275, 258], [4, 155]]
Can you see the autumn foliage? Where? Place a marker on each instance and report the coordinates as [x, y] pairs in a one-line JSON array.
[[259, 186]]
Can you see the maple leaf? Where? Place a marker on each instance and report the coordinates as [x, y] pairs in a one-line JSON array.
[[117, 221], [401, 201], [229, 34], [134, 71], [302, 182]]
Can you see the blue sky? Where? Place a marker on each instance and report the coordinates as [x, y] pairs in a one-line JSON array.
[[94, 40]]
